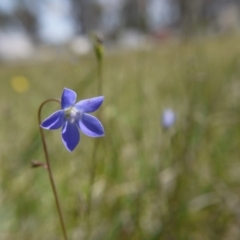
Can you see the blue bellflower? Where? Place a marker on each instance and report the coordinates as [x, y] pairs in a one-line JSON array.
[[74, 117], [168, 118]]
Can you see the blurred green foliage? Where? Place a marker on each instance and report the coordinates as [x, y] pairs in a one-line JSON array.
[[149, 183]]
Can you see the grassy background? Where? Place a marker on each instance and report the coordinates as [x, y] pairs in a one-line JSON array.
[[183, 183]]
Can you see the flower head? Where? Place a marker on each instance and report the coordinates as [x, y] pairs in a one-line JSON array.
[[168, 118], [74, 117]]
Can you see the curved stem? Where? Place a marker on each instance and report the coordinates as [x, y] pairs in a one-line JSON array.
[[49, 167]]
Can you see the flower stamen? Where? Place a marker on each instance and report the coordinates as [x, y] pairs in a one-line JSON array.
[[72, 114]]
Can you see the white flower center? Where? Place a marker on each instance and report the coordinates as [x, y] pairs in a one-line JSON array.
[[72, 114]]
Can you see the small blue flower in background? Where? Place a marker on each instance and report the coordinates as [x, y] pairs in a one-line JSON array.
[[74, 117], [168, 118]]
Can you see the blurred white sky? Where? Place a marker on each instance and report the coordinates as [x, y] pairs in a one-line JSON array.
[[7, 6], [55, 24], [161, 13]]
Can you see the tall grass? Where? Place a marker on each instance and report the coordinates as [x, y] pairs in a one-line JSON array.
[[149, 183]]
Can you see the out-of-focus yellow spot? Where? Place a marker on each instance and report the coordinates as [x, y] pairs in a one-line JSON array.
[[20, 84]]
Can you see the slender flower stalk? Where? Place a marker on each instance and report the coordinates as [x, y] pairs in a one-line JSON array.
[[60, 215], [99, 53]]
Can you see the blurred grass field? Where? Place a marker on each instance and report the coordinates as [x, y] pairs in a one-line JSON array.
[[176, 184]]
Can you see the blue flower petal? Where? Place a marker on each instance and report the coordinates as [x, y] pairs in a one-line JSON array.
[[54, 121], [89, 105], [68, 98], [91, 126], [70, 136], [168, 118]]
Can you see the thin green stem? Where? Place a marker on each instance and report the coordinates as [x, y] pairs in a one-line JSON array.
[[91, 182], [49, 168], [100, 77], [95, 149]]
